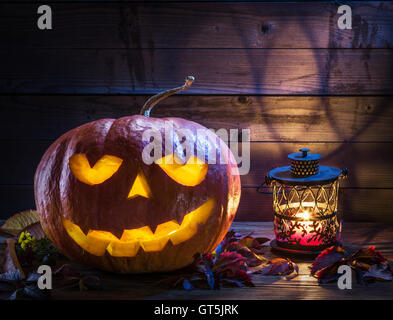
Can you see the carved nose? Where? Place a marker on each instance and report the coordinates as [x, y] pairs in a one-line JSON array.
[[140, 187]]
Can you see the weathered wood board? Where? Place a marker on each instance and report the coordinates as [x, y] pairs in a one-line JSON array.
[[284, 70], [303, 287], [269, 118], [348, 142], [264, 156], [355, 204], [229, 71], [212, 25]]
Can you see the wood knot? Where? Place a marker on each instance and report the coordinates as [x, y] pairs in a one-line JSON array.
[[243, 99], [266, 28]]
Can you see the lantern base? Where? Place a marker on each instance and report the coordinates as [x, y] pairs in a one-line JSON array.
[[277, 247]]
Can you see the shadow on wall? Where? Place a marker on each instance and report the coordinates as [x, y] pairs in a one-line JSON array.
[[364, 37]]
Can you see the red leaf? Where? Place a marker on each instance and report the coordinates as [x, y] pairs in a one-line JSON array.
[[368, 264], [252, 259], [329, 273], [328, 257], [369, 256], [279, 267]]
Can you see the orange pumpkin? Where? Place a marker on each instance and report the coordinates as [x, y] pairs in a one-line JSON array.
[[103, 206]]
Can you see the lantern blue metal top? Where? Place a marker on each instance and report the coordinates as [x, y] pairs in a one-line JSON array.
[[305, 170], [304, 155]]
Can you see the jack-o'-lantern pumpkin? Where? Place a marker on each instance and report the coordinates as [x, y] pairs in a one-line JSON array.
[[102, 205]]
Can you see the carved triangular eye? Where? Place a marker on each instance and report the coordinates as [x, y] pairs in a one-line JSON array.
[[190, 174], [140, 187], [102, 170]]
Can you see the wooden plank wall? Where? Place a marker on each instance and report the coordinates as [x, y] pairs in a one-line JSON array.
[[284, 70]]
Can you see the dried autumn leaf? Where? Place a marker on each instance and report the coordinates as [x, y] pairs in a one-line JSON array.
[[228, 262], [11, 260], [369, 256], [35, 230], [280, 267], [19, 287], [255, 243], [368, 265], [229, 238], [18, 222], [328, 257], [330, 272], [67, 276], [252, 258], [11, 276], [381, 272], [213, 272]]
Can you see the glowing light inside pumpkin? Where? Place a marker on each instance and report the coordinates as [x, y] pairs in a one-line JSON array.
[[140, 187], [191, 173], [103, 169], [97, 242]]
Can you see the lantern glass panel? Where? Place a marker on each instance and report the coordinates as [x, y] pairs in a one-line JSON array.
[[305, 216]]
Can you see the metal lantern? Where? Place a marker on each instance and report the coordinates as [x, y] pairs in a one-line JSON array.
[[305, 196]]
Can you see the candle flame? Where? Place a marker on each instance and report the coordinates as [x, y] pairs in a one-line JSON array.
[[305, 215]]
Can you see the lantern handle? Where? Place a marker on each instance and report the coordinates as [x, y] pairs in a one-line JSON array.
[[344, 173], [149, 104], [267, 182], [263, 192]]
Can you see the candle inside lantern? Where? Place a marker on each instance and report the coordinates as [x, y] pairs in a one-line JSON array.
[[305, 231]]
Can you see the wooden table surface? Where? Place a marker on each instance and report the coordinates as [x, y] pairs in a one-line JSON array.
[[304, 286]]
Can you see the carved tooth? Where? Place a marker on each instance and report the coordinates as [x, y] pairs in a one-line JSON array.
[[85, 242], [189, 226], [183, 234], [155, 244], [137, 234], [202, 213], [101, 235], [123, 248], [98, 241], [166, 227]]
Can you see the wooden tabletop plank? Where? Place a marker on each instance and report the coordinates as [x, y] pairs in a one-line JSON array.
[[303, 287]]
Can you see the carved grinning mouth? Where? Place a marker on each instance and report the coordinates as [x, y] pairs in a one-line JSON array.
[[97, 242]]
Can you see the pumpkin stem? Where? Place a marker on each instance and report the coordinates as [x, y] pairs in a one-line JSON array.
[[149, 104]]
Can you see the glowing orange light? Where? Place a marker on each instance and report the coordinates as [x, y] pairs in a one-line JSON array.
[[303, 231], [140, 187], [191, 173], [97, 242], [104, 168]]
